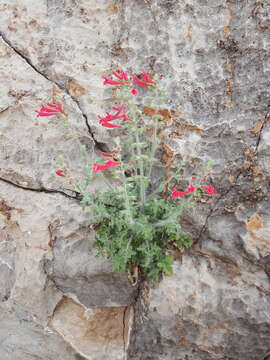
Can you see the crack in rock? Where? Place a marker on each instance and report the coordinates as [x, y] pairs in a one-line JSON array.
[[124, 331], [214, 207], [98, 145], [266, 118], [77, 195]]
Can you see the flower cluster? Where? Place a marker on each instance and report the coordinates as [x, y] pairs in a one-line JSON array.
[[50, 110], [123, 78], [120, 114], [137, 217], [209, 189], [107, 165]]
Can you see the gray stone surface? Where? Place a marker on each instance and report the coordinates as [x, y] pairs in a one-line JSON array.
[[214, 56], [21, 337], [209, 309], [96, 333]]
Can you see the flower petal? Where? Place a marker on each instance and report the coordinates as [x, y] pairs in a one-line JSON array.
[[110, 81], [137, 81], [109, 155], [175, 194], [191, 188], [60, 173], [210, 190]]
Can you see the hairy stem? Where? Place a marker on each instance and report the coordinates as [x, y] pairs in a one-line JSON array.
[[124, 180]]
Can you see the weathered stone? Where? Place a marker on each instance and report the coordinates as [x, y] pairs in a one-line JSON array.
[[96, 333], [215, 60], [22, 338], [199, 313], [30, 226], [75, 269]]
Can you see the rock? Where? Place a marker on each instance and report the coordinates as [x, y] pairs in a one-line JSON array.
[[96, 333], [75, 269], [32, 228], [214, 57], [199, 313], [22, 338]]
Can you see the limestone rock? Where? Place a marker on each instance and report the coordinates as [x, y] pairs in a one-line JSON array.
[[214, 56], [199, 313], [96, 333], [22, 338]]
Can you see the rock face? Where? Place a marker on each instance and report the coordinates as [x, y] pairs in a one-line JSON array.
[[56, 297], [98, 333]]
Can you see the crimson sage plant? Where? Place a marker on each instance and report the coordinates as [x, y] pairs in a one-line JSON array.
[[137, 216]]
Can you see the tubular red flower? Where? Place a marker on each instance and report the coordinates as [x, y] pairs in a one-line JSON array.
[[110, 163], [108, 125], [107, 165], [147, 78], [122, 76], [120, 113], [46, 111], [118, 76], [98, 167], [175, 194], [60, 173], [125, 117], [108, 81], [191, 188], [137, 81], [210, 190], [114, 155]]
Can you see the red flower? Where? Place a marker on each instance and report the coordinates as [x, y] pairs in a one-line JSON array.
[[191, 188], [46, 111], [175, 194], [194, 178], [98, 167], [210, 190], [108, 81], [134, 91], [125, 117], [122, 76], [146, 80], [70, 182], [60, 173], [107, 124], [107, 165], [114, 155], [137, 81], [110, 163], [120, 113]]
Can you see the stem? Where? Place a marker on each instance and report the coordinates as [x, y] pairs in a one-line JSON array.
[[127, 204], [154, 144], [153, 150], [142, 184]]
